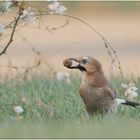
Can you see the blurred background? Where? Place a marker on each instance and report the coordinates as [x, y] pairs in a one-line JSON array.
[[51, 103], [118, 22]]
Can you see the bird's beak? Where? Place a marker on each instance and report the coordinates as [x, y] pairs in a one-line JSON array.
[[75, 59], [78, 66]]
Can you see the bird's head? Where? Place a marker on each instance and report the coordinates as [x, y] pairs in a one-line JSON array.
[[85, 64]]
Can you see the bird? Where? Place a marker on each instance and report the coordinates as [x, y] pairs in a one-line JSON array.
[[97, 93]]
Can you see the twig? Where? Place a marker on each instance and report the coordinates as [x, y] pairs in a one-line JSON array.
[[21, 8], [13, 4], [110, 50], [108, 46], [11, 38], [37, 52]]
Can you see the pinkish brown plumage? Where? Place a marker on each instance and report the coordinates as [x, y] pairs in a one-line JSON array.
[[95, 90]]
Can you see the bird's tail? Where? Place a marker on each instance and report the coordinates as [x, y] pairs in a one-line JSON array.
[[133, 104], [124, 102]]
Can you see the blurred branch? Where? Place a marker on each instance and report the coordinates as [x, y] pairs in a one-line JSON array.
[[20, 13], [22, 75], [110, 50], [3, 10], [49, 28], [21, 67], [37, 52], [11, 37]]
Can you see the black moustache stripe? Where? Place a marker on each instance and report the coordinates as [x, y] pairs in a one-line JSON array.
[[78, 67]]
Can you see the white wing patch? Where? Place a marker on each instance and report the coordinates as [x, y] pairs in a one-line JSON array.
[[120, 101]]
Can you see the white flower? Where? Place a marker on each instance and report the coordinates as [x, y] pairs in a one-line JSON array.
[[53, 6], [63, 76], [60, 10], [130, 91], [28, 16], [56, 8], [124, 85], [2, 28], [18, 109], [7, 4]]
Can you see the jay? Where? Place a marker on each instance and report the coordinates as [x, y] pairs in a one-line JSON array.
[[97, 93]]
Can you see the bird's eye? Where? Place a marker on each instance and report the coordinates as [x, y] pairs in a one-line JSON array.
[[84, 61]]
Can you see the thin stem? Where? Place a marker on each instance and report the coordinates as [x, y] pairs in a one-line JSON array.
[[11, 38], [108, 46]]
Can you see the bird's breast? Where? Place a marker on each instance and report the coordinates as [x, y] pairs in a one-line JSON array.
[[95, 99]]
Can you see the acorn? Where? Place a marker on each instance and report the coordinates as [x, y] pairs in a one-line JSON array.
[[67, 62]]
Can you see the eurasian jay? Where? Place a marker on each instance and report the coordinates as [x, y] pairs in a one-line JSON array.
[[95, 90]]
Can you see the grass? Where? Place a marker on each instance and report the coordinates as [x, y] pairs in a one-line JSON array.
[[54, 109]]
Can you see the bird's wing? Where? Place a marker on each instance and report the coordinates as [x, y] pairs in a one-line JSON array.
[[108, 92]]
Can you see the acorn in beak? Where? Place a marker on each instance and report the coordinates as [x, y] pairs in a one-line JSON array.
[[68, 62]]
